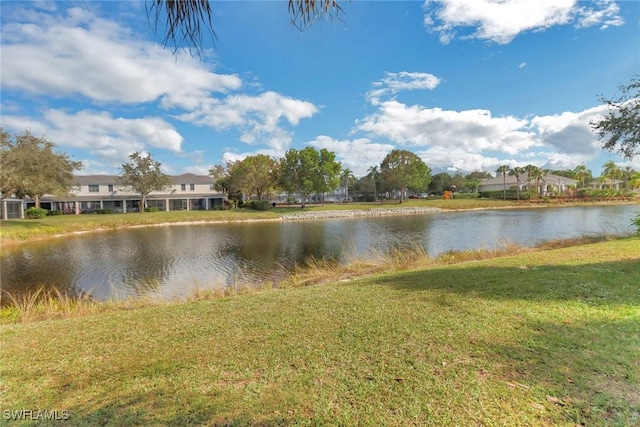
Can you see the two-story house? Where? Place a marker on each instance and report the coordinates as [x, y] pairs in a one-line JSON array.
[[92, 192]]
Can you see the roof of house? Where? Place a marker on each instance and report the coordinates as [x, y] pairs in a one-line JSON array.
[[185, 178]]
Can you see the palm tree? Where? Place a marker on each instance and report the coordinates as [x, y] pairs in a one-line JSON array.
[[626, 175], [504, 169], [529, 169], [582, 173], [634, 180], [345, 177], [611, 171], [374, 173], [516, 171], [538, 174]]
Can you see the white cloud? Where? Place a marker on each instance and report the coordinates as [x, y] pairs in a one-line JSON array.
[[522, 65], [112, 139], [103, 62], [501, 21], [443, 157], [569, 132], [472, 131], [357, 154], [96, 63], [393, 83], [257, 116]]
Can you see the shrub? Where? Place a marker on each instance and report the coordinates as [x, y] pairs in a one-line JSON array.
[[465, 195], [636, 222], [104, 211], [258, 205], [151, 209], [511, 194], [55, 212], [35, 213]]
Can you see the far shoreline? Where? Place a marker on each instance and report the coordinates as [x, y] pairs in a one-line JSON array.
[[308, 215]]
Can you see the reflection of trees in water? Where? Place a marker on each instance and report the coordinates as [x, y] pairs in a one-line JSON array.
[[28, 268], [145, 257], [313, 240], [250, 254]]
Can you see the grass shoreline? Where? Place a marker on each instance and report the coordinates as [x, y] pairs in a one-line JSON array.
[[14, 232], [545, 337]]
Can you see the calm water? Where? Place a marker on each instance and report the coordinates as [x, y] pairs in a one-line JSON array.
[[173, 260]]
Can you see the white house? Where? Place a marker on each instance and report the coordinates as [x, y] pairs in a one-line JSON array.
[[92, 192], [547, 185]]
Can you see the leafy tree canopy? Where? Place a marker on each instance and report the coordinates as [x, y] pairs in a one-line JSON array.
[[143, 175], [403, 170], [30, 166], [619, 129], [299, 171], [255, 175]]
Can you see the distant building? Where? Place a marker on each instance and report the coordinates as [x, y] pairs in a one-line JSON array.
[[92, 192], [549, 184]]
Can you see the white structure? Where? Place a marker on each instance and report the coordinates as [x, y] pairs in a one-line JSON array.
[[548, 185], [92, 192]]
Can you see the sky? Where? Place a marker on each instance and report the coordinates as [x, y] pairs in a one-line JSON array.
[[465, 84]]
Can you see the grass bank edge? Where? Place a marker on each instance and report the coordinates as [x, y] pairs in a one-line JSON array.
[[436, 346], [47, 305]]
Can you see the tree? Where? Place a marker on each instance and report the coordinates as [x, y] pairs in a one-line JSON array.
[[299, 172], [346, 177], [627, 175], [185, 19], [374, 175], [221, 175], [223, 182], [30, 166], [475, 178], [538, 175], [582, 174], [619, 129], [611, 170], [143, 175], [328, 178], [440, 182], [255, 175], [403, 170], [634, 182], [517, 171], [504, 169]]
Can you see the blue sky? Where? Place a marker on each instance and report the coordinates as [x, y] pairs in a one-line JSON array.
[[466, 85]]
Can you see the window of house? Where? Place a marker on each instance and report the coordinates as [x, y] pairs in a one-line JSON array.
[[110, 188], [183, 187], [94, 188], [192, 187], [212, 187]]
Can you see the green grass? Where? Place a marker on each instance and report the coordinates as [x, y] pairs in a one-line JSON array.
[[539, 338]]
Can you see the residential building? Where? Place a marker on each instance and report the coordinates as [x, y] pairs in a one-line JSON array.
[[93, 192], [548, 185]]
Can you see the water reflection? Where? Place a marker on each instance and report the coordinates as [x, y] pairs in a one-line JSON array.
[[172, 260]]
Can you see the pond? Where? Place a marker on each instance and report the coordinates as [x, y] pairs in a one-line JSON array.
[[174, 260]]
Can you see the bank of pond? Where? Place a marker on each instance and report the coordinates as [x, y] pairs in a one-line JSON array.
[[173, 260]]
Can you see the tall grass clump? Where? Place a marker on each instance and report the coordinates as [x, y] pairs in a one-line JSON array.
[[43, 304]]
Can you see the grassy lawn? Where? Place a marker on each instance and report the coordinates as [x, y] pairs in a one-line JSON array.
[[23, 230], [541, 338]]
